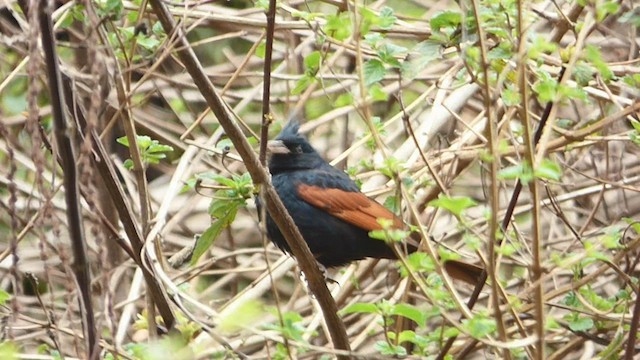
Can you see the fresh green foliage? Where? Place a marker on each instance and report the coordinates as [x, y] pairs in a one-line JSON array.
[[311, 66], [374, 71], [388, 233], [110, 8], [4, 297], [547, 170], [151, 150], [593, 55], [8, 350], [480, 325], [244, 315], [579, 323], [224, 208], [291, 328], [454, 204], [635, 134], [338, 26], [75, 13]]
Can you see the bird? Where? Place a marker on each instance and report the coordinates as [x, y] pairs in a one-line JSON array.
[[332, 214]]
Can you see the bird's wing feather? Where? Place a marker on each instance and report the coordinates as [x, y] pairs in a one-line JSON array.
[[352, 207]]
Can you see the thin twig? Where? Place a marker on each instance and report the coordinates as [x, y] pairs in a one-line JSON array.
[[70, 178]]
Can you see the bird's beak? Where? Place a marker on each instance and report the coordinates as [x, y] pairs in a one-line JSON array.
[[277, 147]]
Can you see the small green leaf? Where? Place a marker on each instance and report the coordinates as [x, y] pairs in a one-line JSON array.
[[594, 55], [8, 350], [581, 324], [374, 71], [4, 297], [386, 349], [361, 308], [445, 19], [606, 8], [511, 96], [209, 236], [480, 326], [242, 316], [148, 42], [338, 26], [410, 312], [549, 170], [387, 18], [519, 171], [302, 84], [343, 100], [261, 49], [312, 62], [128, 164], [377, 93], [546, 88], [374, 39], [455, 205]]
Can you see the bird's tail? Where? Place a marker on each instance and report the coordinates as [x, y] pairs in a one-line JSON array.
[[464, 271]]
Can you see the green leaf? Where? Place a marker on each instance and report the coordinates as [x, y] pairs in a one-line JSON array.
[[312, 63], [387, 18], [377, 93], [511, 96], [361, 308], [224, 181], [445, 19], [8, 350], [242, 316], [631, 17], [606, 8], [374, 71], [110, 8], [549, 170], [521, 171], [410, 312], [583, 73], [388, 53], [418, 262], [420, 57], [128, 164], [292, 327], [302, 84], [572, 93], [546, 88], [593, 55], [4, 297], [209, 236], [540, 46], [261, 50], [480, 326], [455, 205], [374, 40], [581, 324], [343, 100], [338, 26], [368, 18], [148, 42], [387, 349]]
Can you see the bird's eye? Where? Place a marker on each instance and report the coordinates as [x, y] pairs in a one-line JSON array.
[[297, 149]]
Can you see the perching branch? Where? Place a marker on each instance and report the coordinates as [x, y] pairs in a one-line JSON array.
[[259, 175]]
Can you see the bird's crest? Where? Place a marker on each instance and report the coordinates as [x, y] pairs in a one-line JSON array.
[[290, 130]]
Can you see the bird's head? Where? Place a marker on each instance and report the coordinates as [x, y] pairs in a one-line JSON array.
[[291, 151]]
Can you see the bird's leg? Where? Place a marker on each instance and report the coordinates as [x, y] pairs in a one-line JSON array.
[[325, 274]]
